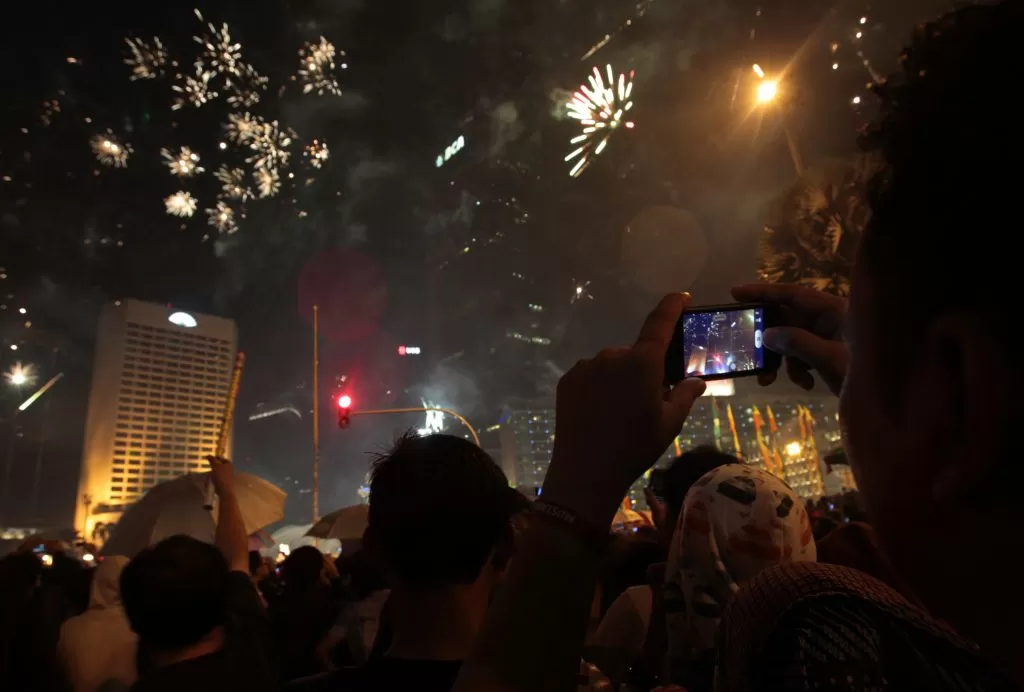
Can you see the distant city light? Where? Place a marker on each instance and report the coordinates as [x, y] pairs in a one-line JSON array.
[[450, 151], [22, 310], [409, 350], [793, 449], [856, 100], [182, 319], [863, 20]]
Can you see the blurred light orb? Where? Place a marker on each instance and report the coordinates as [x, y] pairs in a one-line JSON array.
[[767, 91], [664, 249]]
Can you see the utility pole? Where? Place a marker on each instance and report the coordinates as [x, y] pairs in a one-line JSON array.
[[316, 414]]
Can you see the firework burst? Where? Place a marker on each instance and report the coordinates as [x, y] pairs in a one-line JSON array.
[[316, 153], [20, 375], [148, 59], [242, 127], [269, 145], [268, 182], [219, 52], [580, 291], [316, 68], [181, 204], [109, 150], [246, 87], [233, 183], [184, 163], [601, 109], [194, 90], [222, 217]]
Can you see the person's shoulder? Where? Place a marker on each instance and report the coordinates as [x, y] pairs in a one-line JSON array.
[[797, 624]]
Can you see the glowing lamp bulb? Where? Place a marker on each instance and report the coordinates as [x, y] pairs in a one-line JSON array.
[[794, 448], [18, 378], [767, 91], [345, 401]]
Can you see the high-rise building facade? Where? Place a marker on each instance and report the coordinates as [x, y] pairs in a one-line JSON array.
[[527, 440], [159, 390]]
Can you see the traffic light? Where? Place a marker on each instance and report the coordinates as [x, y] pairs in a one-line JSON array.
[[344, 409]]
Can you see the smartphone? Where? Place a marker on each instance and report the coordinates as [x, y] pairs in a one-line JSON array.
[[718, 342]]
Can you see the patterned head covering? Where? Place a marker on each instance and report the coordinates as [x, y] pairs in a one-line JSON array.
[[736, 521]]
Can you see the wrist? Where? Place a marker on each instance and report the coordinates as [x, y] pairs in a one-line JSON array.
[[594, 501]]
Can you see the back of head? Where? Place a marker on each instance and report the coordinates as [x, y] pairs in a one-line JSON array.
[[687, 468], [174, 592], [302, 568], [439, 506], [105, 590], [737, 520]]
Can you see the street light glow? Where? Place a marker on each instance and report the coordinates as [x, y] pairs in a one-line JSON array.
[[345, 401], [767, 91], [794, 448]]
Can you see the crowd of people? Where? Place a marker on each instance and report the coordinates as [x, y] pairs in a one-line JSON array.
[[464, 585]]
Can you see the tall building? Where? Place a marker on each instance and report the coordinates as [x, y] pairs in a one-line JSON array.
[[159, 389], [527, 440]]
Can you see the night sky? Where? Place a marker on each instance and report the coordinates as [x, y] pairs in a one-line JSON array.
[[478, 261]]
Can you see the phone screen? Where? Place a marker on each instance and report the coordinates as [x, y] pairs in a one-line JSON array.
[[723, 342]]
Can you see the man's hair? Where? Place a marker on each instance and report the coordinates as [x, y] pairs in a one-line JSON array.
[[255, 562], [301, 569], [686, 469], [942, 234], [439, 506], [174, 592]]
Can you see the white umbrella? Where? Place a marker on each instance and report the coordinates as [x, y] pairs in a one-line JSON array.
[[294, 536], [345, 524], [187, 505]]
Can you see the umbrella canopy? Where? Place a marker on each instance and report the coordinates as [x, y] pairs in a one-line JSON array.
[[185, 505], [345, 524], [294, 536]]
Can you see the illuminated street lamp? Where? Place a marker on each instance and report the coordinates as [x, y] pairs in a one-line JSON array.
[[767, 90]]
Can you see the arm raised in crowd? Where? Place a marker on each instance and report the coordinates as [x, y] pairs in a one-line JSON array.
[[230, 538], [614, 418]]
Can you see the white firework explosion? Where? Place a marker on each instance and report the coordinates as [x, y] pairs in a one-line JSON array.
[[270, 145], [242, 127], [181, 204], [110, 151], [222, 55], [245, 89], [184, 163], [268, 182], [316, 153], [194, 90], [222, 217], [580, 291], [316, 68], [148, 59], [233, 183], [601, 109]]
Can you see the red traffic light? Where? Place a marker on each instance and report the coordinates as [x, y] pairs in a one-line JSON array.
[[345, 401]]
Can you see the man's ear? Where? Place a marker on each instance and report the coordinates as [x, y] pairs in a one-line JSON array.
[[970, 383]]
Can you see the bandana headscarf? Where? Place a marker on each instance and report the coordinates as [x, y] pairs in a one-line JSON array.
[[736, 521]]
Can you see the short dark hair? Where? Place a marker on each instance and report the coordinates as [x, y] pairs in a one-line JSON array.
[[439, 506], [945, 123], [686, 469], [174, 592], [301, 569]]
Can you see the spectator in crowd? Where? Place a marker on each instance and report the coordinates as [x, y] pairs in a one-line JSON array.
[[303, 613], [623, 633], [440, 525], [98, 646], [930, 380], [737, 521], [200, 622]]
